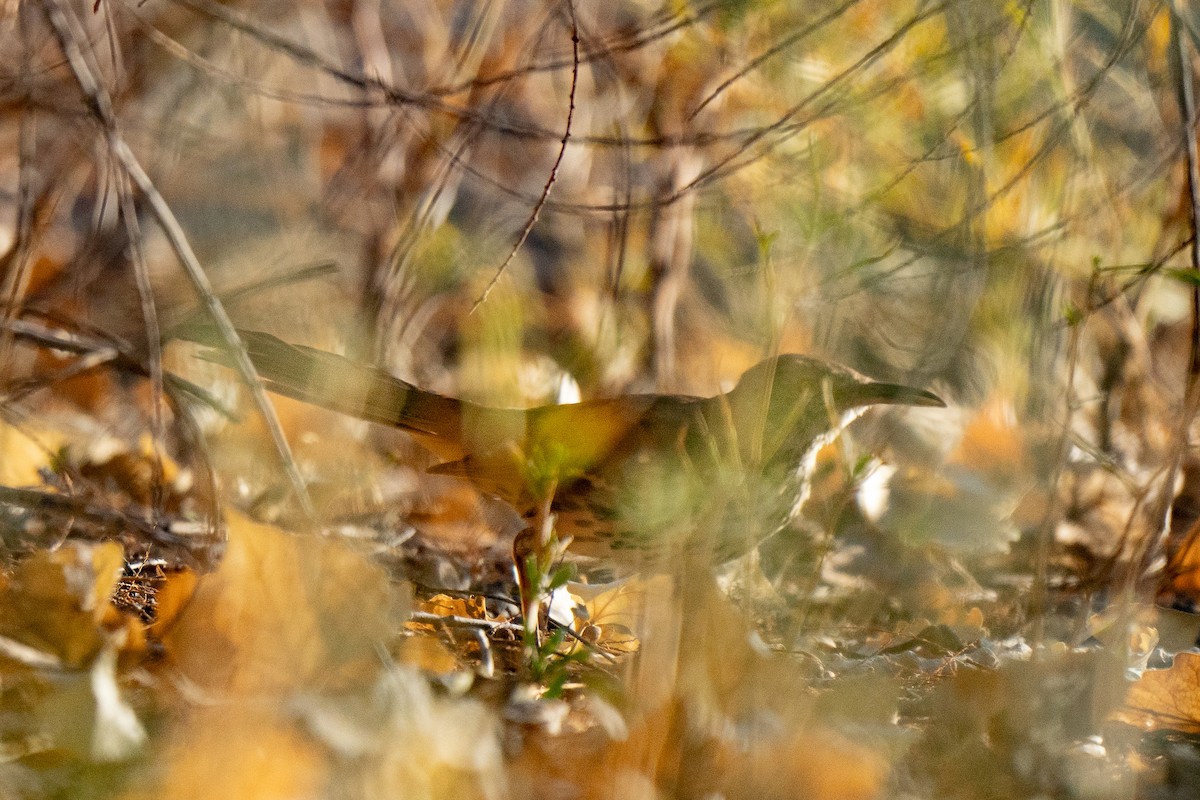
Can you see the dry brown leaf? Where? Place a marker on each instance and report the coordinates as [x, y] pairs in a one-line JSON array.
[[1182, 573], [1165, 699], [427, 654], [57, 603], [623, 603], [23, 452], [60, 640], [172, 597], [282, 611], [129, 468], [238, 751], [615, 613], [820, 765], [616, 639], [446, 606], [663, 756]]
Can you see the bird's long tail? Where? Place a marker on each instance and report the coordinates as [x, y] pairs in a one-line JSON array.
[[342, 384]]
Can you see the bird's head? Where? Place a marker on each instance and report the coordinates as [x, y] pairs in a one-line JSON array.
[[783, 405]]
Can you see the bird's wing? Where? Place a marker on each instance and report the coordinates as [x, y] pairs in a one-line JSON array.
[[519, 455], [635, 428], [573, 439]]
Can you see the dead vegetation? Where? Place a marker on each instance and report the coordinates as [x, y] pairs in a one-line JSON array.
[[210, 590]]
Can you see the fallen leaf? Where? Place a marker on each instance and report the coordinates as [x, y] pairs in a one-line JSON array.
[[23, 453], [238, 751], [55, 601], [446, 606], [172, 597], [428, 655], [60, 639], [1182, 574], [1165, 699], [282, 611]]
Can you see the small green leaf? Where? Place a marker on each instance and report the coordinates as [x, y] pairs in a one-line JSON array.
[[1184, 275], [561, 576]]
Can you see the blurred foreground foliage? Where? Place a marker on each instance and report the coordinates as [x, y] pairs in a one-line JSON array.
[[524, 202]]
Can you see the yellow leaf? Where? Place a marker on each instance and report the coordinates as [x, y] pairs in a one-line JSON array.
[[172, 597], [446, 606], [283, 611], [60, 641], [23, 453], [1165, 699], [427, 654], [54, 602], [238, 751]]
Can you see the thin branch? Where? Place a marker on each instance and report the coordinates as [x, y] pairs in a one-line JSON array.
[[145, 289], [1187, 104], [428, 100], [230, 298], [96, 352], [783, 44], [601, 51], [786, 126], [78, 506], [452, 621], [562, 150]]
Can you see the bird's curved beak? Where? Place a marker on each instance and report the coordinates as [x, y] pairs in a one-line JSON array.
[[895, 394]]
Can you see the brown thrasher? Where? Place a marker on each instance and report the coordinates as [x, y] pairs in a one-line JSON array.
[[633, 478]]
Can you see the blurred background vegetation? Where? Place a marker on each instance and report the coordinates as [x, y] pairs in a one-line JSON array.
[[525, 202]]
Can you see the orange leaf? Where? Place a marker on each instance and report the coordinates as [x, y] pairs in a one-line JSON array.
[[1182, 573], [238, 751], [283, 611], [446, 606], [24, 452], [1165, 698], [172, 597], [56, 601]]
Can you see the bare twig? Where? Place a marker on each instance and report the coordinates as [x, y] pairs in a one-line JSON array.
[[97, 352], [145, 289], [786, 42], [51, 502], [429, 100], [451, 621], [562, 149], [675, 21], [314, 271], [1187, 104]]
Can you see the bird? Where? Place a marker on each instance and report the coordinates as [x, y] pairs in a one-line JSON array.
[[635, 479]]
